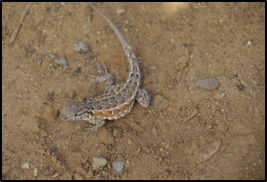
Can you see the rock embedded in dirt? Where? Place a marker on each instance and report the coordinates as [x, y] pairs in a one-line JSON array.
[[105, 174], [35, 171], [99, 162], [25, 165], [62, 61], [153, 67], [120, 10], [208, 83], [118, 165], [81, 47], [39, 61]]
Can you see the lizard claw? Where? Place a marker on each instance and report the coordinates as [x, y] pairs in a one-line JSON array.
[[91, 131], [98, 123], [153, 111]]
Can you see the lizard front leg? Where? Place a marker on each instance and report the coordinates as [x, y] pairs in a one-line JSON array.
[[80, 111], [97, 122]]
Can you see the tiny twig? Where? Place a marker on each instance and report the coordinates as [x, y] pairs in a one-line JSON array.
[[63, 99], [191, 116], [89, 14], [210, 153], [194, 112], [14, 34]]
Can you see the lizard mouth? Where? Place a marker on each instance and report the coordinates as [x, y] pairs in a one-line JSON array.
[[71, 111]]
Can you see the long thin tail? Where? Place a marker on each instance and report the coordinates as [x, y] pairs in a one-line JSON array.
[[133, 64], [123, 41]]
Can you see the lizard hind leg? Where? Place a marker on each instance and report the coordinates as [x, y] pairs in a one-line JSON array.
[[107, 78], [143, 99]]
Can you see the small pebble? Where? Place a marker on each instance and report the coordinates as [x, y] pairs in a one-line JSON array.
[[84, 77], [77, 5], [26, 166], [76, 72], [118, 165], [105, 174], [55, 175], [120, 10], [142, 8], [39, 61], [126, 22], [115, 133], [209, 127], [138, 151], [35, 171], [118, 25], [241, 87], [53, 56], [62, 61], [41, 38], [131, 25], [130, 141], [208, 83], [154, 67], [81, 47], [99, 162]]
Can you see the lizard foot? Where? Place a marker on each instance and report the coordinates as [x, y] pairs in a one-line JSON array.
[[107, 78], [98, 123], [143, 99]]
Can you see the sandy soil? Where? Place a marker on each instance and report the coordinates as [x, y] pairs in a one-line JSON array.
[[176, 44]]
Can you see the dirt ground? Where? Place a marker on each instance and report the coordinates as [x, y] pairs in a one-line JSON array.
[[176, 44]]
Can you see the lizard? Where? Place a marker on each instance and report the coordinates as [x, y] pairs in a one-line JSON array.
[[119, 99]]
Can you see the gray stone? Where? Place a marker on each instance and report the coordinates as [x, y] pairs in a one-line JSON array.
[[118, 165], [208, 83], [99, 162]]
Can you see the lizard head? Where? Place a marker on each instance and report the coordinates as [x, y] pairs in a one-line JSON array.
[[74, 111]]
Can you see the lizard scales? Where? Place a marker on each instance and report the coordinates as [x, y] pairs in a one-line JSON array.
[[119, 101]]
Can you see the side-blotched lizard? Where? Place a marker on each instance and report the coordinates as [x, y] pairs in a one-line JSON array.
[[119, 101]]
